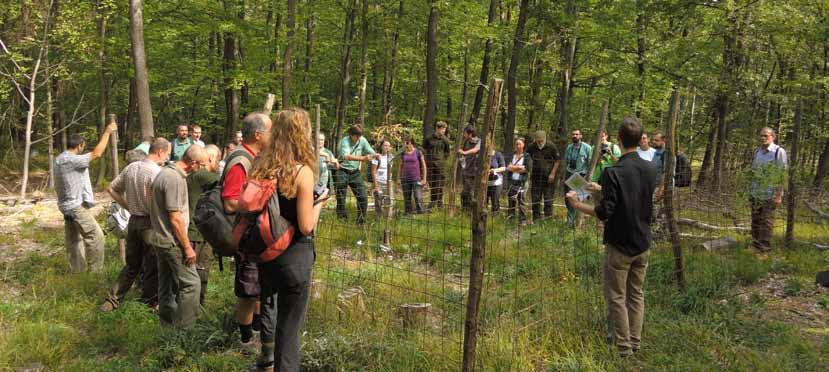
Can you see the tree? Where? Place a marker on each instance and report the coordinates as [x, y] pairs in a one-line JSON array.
[[345, 68], [139, 60], [287, 59], [512, 89], [431, 71], [479, 92]]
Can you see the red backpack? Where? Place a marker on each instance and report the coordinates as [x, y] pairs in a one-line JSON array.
[[261, 232]]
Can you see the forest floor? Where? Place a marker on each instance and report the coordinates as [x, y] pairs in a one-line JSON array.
[[742, 311]]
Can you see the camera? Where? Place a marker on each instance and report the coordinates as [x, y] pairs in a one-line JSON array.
[[319, 190], [605, 149]]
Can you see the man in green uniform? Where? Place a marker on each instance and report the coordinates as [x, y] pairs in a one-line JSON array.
[[353, 150]]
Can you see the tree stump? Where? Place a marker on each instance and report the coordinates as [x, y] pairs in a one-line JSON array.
[[719, 244], [351, 303], [414, 316]]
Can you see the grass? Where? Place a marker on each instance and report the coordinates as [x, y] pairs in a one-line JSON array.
[[541, 308]]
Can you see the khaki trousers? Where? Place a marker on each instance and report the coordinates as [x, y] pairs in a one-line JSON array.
[[623, 280], [84, 241]]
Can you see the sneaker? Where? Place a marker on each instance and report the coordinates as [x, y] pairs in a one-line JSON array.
[[249, 348], [106, 307]]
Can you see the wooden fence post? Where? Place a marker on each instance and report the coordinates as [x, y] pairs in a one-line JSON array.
[[791, 196], [479, 217], [668, 194], [597, 141], [453, 158], [113, 143]]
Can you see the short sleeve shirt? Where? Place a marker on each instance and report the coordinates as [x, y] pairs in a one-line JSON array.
[[325, 172], [543, 159], [235, 179], [577, 158], [382, 168], [180, 147], [646, 154], [765, 179], [362, 147], [72, 182], [135, 182], [169, 195]]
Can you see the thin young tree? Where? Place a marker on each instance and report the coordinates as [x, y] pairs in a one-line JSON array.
[[139, 61], [431, 70], [512, 88]]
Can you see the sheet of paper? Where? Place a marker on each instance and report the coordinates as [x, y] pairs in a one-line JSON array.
[[578, 184]]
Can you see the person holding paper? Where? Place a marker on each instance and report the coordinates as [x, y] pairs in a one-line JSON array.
[[576, 160], [625, 208]]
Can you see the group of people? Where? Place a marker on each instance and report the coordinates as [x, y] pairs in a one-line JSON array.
[[161, 190]]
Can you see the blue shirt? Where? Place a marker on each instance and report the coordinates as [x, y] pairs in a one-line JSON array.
[[577, 158], [766, 168]]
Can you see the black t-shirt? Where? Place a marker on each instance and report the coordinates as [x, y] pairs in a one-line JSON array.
[[543, 159], [627, 204]]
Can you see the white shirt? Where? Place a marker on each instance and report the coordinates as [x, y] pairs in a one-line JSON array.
[[646, 154], [517, 161], [198, 142], [382, 168]]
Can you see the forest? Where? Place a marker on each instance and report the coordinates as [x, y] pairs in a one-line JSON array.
[[395, 294]]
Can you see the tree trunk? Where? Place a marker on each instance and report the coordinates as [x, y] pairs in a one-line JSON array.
[[568, 56], [229, 53], [822, 167], [791, 197], [536, 72], [479, 93], [139, 60], [670, 169], [310, 23], [640, 56], [390, 69], [361, 117], [722, 140], [512, 89], [287, 59], [102, 91], [130, 118], [345, 70], [49, 121], [702, 178], [431, 71]]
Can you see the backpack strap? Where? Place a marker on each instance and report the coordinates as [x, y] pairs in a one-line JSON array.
[[239, 156]]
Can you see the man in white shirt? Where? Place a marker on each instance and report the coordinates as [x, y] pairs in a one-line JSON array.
[[645, 150]]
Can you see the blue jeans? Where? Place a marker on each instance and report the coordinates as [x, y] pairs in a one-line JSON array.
[[412, 196]]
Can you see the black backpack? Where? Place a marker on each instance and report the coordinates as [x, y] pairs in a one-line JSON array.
[[210, 218], [682, 178]]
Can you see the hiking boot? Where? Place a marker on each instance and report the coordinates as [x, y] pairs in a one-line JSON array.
[[106, 307], [258, 368]]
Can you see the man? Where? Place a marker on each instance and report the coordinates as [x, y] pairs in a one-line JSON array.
[[132, 190], [543, 174], [239, 138], [469, 164], [195, 135], [768, 171], [625, 208], [84, 238], [609, 153], [197, 183], [181, 143], [353, 150], [178, 280], [645, 151], [256, 128], [437, 148], [576, 160], [144, 146], [328, 163]]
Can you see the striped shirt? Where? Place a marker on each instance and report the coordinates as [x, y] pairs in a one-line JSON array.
[[72, 182], [135, 182]]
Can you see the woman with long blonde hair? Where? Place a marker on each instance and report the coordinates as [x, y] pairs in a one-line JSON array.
[[289, 160]]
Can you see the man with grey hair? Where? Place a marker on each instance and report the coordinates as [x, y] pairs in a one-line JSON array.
[[766, 190], [543, 174], [181, 143], [178, 280], [131, 189], [197, 183], [256, 129], [84, 237]]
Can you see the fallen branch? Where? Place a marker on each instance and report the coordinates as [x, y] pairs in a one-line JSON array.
[[709, 227], [821, 214]]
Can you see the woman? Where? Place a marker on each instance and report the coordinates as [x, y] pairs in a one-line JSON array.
[[328, 162], [412, 177], [290, 160], [380, 177], [518, 166], [495, 183]]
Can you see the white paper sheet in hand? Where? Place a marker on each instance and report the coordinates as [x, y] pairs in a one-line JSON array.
[[578, 184]]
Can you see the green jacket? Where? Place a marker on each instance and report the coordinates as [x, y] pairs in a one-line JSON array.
[[436, 148]]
